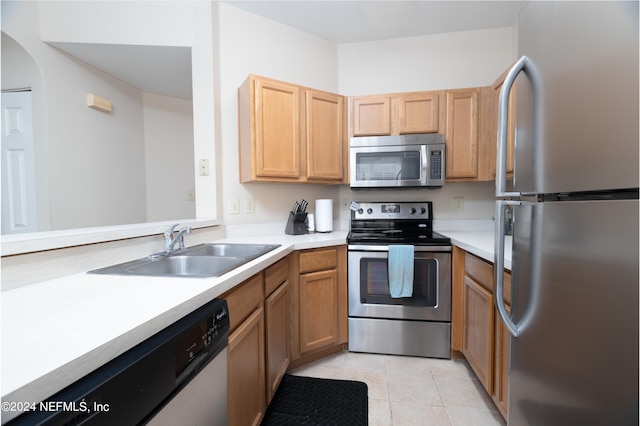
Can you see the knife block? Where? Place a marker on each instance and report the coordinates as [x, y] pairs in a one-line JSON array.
[[296, 224]]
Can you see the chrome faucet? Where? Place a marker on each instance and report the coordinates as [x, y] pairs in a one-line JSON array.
[[170, 241]]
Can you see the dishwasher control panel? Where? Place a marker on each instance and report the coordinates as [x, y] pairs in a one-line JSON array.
[[198, 339]]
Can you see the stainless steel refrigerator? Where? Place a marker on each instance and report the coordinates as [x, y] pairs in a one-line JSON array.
[[574, 194]]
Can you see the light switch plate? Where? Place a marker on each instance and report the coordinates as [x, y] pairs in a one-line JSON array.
[[250, 206], [458, 204], [234, 206]]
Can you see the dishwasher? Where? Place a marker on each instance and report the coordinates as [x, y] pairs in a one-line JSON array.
[[176, 377]]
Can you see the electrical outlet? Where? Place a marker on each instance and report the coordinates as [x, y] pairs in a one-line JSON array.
[[345, 203], [250, 206], [458, 204], [234, 206], [204, 167]]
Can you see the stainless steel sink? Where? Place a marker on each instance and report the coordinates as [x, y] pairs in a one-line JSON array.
[[201, 261], [246, 251]]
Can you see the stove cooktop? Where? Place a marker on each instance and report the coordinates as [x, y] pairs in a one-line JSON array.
[[394, 223]]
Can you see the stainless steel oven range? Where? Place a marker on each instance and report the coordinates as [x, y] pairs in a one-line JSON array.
[[419, 325]]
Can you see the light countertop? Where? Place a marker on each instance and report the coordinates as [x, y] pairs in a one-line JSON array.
[[481, 244], [55, 332]]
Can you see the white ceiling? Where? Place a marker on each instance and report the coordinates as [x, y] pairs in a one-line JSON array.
[[360, 21], [167, 70], [159, 69]]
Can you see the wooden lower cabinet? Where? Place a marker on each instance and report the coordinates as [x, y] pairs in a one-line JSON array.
[[277, 330], [259, 343], [246, 365], [292, 313], [245, 375], [318, 310], [320, 303], [477, 330], [501, 365]]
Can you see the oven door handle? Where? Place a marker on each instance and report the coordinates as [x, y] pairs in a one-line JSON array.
[[360, 247]]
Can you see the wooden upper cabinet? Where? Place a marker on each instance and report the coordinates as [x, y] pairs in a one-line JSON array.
[[395, 114], [418, 113], [277, 124], [461, 133], [511, 124], [286, 138], [372, 116], [325, 146]]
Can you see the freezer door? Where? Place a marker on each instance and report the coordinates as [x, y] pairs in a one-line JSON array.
[[580, 130], [575, 304]]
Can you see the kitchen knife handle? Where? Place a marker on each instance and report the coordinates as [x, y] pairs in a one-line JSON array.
[[499, 266]]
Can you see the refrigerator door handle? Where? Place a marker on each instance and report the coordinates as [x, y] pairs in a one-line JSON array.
[[499, 266], [523, 64]]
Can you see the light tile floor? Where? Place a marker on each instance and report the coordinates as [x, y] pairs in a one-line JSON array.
[[405, 391]]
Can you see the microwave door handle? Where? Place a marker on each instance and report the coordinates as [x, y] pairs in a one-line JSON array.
[[424, 179]]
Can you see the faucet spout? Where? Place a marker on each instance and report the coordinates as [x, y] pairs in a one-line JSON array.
[[171, 241]]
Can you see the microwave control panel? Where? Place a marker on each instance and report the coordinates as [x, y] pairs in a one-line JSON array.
[[435, 165]]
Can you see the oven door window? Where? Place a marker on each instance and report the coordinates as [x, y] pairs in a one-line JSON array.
[[374, 283], [388, 166]]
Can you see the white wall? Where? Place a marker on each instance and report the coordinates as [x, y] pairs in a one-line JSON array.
[[250, 44], [168, 140], [434, 62], [173, 23], [83, 144]]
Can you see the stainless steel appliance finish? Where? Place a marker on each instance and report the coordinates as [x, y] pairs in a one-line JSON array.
[[574, 313], [177, 376], [419, 325], [397, 161]]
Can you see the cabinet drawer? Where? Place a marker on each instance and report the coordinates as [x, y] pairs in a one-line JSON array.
[[479, 270], [318, 260], [275, 275], [245, 299]]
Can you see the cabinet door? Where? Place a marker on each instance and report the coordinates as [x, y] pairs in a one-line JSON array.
[[501, 365], [511, 126], [371, 116], [477, 344], [418, 113], [277, 129], [245, 375], [461, 134], [325, 135], [276, 309], [318, 306]]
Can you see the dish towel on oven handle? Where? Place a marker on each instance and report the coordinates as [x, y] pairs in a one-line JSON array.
[[400, 270]]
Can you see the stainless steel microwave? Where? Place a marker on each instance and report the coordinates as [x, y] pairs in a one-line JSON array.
[[397, 161]]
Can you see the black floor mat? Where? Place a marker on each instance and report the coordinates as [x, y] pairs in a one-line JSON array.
[[311, 401]]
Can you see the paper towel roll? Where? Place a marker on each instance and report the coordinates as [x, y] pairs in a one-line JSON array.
[[324, 215]]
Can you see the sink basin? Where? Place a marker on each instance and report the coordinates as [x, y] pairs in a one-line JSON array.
[[187, 266], [201, 261], [246, 251]]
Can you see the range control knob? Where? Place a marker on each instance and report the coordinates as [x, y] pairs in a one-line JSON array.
[[412, 210], [423, 210], [360, 211], [369, 210]]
